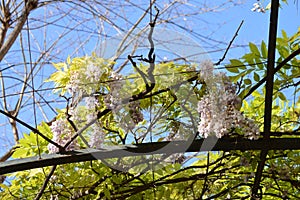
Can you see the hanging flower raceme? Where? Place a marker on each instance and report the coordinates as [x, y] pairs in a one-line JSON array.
[[81, 79], [93, 72], [135, 112], [113, 99], [97, 136], [61, 135], [219, 107]]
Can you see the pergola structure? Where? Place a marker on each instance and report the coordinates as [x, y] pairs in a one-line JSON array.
[[223, 144]]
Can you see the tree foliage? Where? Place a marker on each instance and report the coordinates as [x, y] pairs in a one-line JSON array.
[[146, 101]]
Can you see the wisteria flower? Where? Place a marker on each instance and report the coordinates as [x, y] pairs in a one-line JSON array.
[[61, 135], [97, 136], [93, 72], [258, 7], [113, 99], [219, 108]]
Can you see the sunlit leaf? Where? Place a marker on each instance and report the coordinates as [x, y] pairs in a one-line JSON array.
[[264, 51], [232, 69], [256, 77], [281, 96], [254, 49], [247, 81]]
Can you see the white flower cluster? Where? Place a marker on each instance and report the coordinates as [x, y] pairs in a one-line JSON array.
[[74, 84], [75, 114], [219, 108], [113, 99], [61, 135], [85, 76], [90, 104], [258, 7], [93, 72], [97, 136]]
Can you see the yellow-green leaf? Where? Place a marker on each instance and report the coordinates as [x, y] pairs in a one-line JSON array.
[[254, 49], [264, 51], [232, 69]]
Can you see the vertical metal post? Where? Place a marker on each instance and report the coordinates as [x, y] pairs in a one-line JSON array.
[[269, 93]]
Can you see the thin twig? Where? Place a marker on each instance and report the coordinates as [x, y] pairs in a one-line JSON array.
[[30, 128], [205, 186], [39, 195], [8, 154], [120, 47], [72, 123], [150, 60], [230, 43], [80, 131], [143, 75]]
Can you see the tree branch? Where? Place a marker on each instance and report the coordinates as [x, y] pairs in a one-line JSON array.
[[8, 154], [230, 43], [29, 6], [39, 195], [30, 128], [279, 66]]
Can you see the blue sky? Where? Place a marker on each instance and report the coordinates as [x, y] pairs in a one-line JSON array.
[[256, 25], [214, 30]]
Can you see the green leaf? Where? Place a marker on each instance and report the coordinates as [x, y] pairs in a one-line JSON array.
[[259, 63], [283, 51], [295, 37], [236, 78], [106, 193], [281, 42], [20, 153], [68, 60], [237, 63], [264, 51], [45, 129], [59, 66], [295, 70], [256, 77], [281, 96], [254, 49], [232, 69], [284, 35], [249, 71], [244, 92], [247, 81], [249, 57]]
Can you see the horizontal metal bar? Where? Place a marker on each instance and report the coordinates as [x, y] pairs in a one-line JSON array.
[[208, 144]]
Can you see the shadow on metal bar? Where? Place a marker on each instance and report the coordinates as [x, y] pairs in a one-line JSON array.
[[223, 144]]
